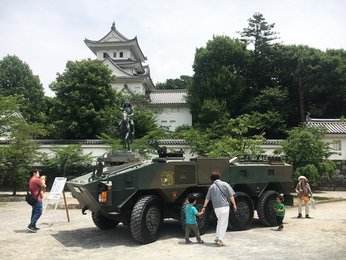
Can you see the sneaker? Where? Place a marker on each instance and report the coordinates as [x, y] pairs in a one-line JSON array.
[[307, 216], [280, 228], [31, 229], [188, 241], [299, 215], [200, 242], [36, 228]]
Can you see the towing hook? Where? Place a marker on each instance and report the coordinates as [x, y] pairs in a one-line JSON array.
[[85, 208]]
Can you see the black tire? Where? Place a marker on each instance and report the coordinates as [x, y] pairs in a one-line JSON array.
[[102, 222], [242, 218], [265, 208], [202, 220], [146, 219]]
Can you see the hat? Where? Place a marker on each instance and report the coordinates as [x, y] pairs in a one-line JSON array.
[[302, 177]]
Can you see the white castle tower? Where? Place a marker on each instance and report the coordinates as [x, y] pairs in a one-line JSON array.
[[124, 57]]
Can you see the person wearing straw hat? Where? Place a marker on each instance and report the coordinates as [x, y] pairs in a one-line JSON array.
[[304, 195]]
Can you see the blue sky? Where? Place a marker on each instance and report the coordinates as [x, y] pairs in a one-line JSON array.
[[47, 33]]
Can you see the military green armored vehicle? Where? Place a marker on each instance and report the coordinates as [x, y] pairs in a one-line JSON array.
[[141, 195]]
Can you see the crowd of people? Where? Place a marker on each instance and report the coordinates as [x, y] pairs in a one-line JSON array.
[[221, 195]]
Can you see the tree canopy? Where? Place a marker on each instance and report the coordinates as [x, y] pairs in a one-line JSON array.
[[17, 79], [277, 83], [218, 83], [182, 82], [84, 99], [308, 154], [66, 157]]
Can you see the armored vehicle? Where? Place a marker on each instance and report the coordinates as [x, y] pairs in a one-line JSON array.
[[142, 194]]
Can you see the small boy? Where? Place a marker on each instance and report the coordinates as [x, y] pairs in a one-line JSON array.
[[279, 208], [191, 222]]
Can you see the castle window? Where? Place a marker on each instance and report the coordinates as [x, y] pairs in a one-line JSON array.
[[114, 54], [121, 54], [336, 145], [105, 55]]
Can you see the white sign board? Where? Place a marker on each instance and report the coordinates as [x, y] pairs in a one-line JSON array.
[[58, 187]]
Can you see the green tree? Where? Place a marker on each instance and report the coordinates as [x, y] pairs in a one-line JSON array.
[[228, 138], [144, 121], [270, 108], [139, 145], [308, 154], [84, 99], [182, 83], [19, 154], [260, 35], [218, 82], [17, 79], [236, 137], [329, 85], [314, 80], [67, 157]]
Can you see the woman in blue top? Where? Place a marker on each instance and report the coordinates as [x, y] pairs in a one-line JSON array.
[[191, 221]]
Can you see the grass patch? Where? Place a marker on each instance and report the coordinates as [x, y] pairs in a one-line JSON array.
[[322, 198]]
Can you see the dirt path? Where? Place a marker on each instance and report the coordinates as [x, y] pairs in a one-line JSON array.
[[323, 237]]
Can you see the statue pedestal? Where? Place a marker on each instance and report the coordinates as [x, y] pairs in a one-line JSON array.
[[118, 158]]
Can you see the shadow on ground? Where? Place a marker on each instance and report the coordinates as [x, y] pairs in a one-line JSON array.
[[90, 238]]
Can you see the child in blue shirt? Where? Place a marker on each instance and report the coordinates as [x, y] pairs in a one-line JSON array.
[[191, 222]]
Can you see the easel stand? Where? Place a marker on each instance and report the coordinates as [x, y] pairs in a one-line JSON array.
[[54, 198]]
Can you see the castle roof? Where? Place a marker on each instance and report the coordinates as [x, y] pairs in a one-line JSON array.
[[115, 40]]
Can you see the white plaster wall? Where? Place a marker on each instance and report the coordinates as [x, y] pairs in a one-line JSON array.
[[339, 155], [174, 116], [95, 150], [126, 54]]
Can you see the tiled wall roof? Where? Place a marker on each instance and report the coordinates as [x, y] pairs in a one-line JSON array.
[[333, 126], [167, 97]]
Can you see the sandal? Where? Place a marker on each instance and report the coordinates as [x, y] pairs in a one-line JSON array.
[[220, 243]]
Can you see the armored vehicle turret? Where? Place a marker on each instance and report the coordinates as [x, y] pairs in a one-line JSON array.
[[142, 194]]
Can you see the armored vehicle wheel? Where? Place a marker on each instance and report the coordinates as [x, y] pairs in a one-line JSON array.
[[102, 222], [265, 208], [146, 219], [203, 220], [242, 218]]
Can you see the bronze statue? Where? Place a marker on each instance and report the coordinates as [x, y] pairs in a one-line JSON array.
[[127, 126]]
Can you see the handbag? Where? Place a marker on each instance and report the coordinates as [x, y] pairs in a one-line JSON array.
[[30, 198], [305, 197]]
